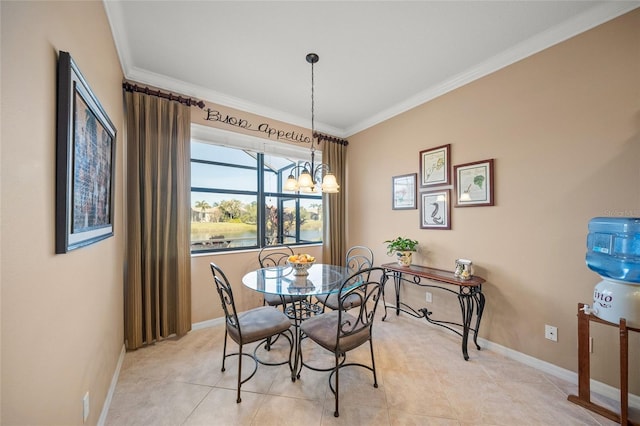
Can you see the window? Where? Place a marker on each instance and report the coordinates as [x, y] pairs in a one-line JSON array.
[[237, 199]]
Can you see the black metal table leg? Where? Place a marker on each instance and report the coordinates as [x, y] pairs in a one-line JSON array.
[[397, 280], [479, 297], [469, 295], [466, 309]]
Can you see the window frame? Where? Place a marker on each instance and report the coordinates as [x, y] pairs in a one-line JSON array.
[[249, 144]]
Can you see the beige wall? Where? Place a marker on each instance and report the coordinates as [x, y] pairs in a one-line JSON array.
[[563, 127], [62, 326], [205, 303]]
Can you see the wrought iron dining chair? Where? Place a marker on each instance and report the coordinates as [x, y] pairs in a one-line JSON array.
[[269, 257], [357, 259], [340, 331], [255, 325]]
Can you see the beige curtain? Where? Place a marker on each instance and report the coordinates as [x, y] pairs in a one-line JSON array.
[[334, 239], [158, 262]]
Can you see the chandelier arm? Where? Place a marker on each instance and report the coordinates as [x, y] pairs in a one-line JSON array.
[[298, 168], [322, 167]]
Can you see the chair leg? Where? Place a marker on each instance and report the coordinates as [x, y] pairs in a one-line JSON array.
[[337, 413], [373, 365], [239, 372], [224, 349]]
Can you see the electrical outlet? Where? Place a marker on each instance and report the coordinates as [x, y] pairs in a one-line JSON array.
[[428, 297], [551, 333], [85, 407]]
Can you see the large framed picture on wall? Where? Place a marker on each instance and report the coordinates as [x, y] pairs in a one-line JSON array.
[[85, 162]]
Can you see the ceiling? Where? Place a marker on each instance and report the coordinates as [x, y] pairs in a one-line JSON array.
[[377, 59]]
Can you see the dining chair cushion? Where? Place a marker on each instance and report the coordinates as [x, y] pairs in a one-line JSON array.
[[323, 329], [351, 301], [276, 299], [259, 323]]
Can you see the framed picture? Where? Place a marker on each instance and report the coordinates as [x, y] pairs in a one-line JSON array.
[[85, 162], [474, 184], [435, 209], [434, 166], [404, 192]]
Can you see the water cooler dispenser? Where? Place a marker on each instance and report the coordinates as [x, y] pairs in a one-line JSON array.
[[613, 252]]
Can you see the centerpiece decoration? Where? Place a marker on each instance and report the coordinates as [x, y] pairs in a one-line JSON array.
[[301, 263], [403, 248]]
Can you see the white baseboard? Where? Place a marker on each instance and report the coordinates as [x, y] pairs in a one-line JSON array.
[[562, 373], [596, 387], [112, 389], [207, 323], [116, 373]]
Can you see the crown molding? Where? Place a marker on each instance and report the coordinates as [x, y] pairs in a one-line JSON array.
[[578, 24], [570, 28]]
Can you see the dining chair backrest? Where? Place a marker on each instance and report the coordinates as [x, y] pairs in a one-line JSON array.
[[359, 257], [270, 257], [226, 298], [361, 301], [353, 324]]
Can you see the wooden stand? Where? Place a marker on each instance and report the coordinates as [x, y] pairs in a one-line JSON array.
[[584, 386]]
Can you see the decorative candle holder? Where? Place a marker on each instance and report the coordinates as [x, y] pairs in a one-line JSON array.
[[464, 269]]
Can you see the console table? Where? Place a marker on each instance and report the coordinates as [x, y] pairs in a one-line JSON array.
[[469, 295]]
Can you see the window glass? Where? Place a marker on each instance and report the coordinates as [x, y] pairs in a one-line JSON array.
[[217, 176], [276, 171], [222, 221], [229, 211], [222, 154]]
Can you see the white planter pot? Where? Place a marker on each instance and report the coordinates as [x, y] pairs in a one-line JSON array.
[[404, 257]]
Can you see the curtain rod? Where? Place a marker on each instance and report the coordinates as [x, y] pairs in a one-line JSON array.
[[332, 139], [129, 87]]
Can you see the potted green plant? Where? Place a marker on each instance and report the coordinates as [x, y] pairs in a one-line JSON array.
[[403, 248]]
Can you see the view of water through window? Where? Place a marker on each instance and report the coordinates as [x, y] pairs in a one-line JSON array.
[[229, 209]]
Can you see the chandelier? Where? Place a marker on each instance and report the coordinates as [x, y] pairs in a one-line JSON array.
[[309, 173]]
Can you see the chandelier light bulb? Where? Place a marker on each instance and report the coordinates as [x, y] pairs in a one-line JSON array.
[[329, 184]]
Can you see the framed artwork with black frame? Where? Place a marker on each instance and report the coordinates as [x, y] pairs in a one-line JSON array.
[[435, 209], [435, 164], [404, 192], [474, 184], [85, 162]]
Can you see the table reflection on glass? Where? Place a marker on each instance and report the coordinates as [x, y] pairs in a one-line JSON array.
[[322, 279]]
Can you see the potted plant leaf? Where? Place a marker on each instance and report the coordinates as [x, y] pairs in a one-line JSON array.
[[403, 248]]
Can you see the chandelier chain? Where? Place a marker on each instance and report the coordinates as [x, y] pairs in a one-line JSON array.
[[309, 177], [313, 128]]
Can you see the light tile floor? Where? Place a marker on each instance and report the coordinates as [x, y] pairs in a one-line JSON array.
[[422, 377]]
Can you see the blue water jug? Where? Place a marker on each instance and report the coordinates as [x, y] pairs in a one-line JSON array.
[[613, 248]]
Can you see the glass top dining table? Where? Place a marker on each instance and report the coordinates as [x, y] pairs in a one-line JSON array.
[[322, 279]]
